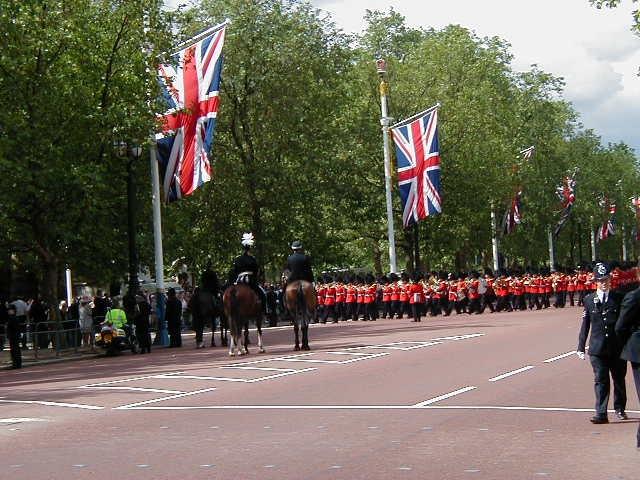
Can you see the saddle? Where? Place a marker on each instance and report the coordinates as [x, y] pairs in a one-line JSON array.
[[244, 277]]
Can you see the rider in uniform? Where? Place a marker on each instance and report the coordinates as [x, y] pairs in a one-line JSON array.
[[299, 264], [247, 264]]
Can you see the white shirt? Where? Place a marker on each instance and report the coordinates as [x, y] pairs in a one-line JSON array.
[[602, 295], [21, 307]]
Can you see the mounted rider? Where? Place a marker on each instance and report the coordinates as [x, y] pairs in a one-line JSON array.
[[245, 269], [299, 264]]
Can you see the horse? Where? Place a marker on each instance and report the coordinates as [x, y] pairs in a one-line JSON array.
[[205, 307], [300, 300], [242, 304]]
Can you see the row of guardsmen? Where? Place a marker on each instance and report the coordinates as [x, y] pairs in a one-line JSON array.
[[367, 299]]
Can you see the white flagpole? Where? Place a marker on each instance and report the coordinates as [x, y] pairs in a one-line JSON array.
[[384, 121], [593, 241], [67, 276], [494, 239], [157, 244], [552, 255], [624, 245]]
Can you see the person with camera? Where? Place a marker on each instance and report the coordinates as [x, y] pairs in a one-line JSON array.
[[599, 318]]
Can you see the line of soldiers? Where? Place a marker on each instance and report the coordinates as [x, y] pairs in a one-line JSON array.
[[366, 298]]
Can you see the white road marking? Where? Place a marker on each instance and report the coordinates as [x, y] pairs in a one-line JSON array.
[[442, 397], [397, 346], [265, 369], [55, 404], [171, 397], [287, 372], [22, 420], [123, 380], [133, 389], [509, 374], [372, 407], [553, 359]]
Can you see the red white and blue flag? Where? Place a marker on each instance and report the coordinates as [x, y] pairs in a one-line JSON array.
[[608, 228], [190, 87], [418, 159], [513, 217], [566, 192]]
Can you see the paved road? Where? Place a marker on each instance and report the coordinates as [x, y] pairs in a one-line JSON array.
[[497, 396]]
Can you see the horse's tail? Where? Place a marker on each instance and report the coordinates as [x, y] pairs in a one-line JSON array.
[[300, 300], [233, 304]]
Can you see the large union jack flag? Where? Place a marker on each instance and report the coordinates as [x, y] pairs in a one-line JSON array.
[[608, 228], [418, 158], [190, 87]]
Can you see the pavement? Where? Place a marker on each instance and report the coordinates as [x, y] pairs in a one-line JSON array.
[[493, 396]]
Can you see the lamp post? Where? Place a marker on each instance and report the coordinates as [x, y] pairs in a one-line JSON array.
[[132, 152]]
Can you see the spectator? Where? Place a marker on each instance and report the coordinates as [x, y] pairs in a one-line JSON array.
[[141, 320], [38, 316], [86, 321], [173, 314], [13, 333], [4, 317], [272, 303], [21, 315]]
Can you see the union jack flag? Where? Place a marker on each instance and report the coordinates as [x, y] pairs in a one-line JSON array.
[[512, 217], [608, 228], [567, 195], [418, 158], [190, 87]]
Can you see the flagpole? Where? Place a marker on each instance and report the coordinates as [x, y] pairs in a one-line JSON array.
[[624, 245], [494, 239], [552, 256], [163, 335], [384, 121], [593, 240]]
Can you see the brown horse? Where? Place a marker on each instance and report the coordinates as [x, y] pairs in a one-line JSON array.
[[242, 304], [300, 300]]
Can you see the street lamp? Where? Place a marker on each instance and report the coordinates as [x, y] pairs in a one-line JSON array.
[[132, 152]]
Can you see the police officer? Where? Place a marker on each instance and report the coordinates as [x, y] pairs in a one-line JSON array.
[[299, 264], [628, 331], [599, 316], [247, 263]]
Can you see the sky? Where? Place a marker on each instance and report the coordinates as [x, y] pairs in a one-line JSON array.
[[593, 50]]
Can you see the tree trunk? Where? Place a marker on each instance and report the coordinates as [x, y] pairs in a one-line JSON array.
[[377, 258]]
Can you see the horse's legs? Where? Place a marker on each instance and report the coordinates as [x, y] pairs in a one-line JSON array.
[[224, 329], [231, 345], [213, 331], [246, 339], [305, 338], [295, 331], [259, 327]]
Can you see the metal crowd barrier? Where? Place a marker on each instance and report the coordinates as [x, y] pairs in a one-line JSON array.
[[63, 336]]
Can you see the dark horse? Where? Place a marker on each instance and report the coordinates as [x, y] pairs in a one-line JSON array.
[[205, 308], [300, 300], [242, 304]]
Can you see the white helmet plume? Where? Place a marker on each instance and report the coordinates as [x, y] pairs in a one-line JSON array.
[[247, 239]]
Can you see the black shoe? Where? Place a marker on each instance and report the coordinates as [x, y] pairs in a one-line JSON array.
[[621, 415], [599, 420]]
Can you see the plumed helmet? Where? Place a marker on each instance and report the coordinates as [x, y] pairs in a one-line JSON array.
[[247, 240], [296, 245]]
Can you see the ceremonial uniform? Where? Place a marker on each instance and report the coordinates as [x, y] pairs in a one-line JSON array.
[[350, 302]]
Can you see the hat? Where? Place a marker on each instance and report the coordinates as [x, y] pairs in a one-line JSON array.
[[600, 271], [296, 245], [247, 239]]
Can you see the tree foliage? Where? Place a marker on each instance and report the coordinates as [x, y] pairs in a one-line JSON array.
[[298, 148]]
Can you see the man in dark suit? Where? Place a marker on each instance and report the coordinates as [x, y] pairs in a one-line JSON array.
[[299, 264], [628, 331], [599, 316]]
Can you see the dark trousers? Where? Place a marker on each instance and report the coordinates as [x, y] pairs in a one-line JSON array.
[[386, 310], [14, 346], [329, 311], [635, 367], [416, 311], [198, 327], [602, 367], [474, 306], [175, 337]]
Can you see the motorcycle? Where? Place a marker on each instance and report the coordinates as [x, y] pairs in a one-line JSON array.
[[115, 340]]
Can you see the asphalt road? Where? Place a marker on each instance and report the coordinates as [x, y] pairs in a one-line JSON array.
[[493, 396]]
